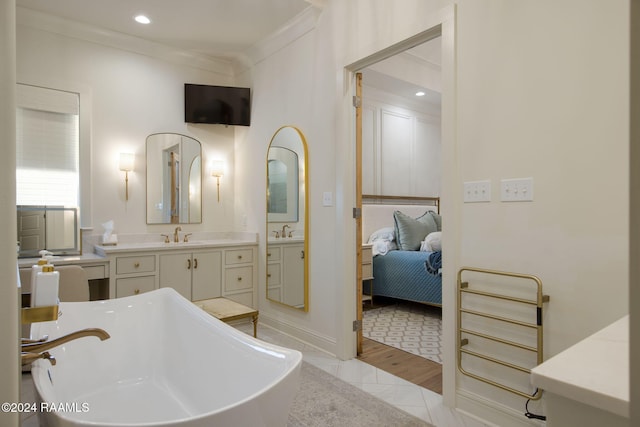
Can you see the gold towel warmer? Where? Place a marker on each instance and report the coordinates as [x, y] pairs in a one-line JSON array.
[[463, 288]]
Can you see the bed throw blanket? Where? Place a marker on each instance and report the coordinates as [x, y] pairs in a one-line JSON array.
[[433, 264]]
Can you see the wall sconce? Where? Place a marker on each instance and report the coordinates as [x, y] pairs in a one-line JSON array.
[[217, 170], [126, 165]]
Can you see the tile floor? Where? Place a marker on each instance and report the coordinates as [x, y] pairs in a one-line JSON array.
[[418, 401], [411, 398]]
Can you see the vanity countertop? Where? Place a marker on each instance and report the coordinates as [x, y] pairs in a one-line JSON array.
[[161, 246], [64, 260], [595, 371], [286, 240]]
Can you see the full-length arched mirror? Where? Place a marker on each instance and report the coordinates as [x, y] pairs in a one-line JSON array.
[[287, 219], [174, 179]]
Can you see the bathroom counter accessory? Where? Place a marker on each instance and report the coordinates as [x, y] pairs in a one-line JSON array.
[[228, 311]]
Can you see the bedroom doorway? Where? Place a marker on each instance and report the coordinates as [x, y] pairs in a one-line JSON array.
[[396, 94]]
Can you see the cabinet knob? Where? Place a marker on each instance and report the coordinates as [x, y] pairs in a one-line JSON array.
[[239, 278], [136, 264], [239, 256], [195, 263], [301, 254], [189, 264], [136, 292], [268, 253], [269, 275]]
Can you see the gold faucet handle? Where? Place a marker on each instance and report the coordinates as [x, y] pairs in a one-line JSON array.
[[277, 234], [29, 341], [28, 358], [166, 238], [186, 237]]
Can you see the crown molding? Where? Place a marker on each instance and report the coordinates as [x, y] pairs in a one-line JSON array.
[[297, 27], [80, 31]]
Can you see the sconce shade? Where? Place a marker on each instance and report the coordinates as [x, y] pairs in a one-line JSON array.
[[126, 162], [217, 168]]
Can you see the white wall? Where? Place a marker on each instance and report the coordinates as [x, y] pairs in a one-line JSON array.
[[539, 94], [133, 93]]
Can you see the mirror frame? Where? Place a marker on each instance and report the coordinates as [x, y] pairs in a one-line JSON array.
[[76, 249], [188, 173], [303, 177]]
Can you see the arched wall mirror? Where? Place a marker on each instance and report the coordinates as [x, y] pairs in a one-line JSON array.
[[174, 179], [287, 219]]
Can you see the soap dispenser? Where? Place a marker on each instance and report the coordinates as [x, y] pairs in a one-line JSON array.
[[44, 286], [45, 292]]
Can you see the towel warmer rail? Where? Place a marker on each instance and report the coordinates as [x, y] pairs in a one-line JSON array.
[[463, 288]]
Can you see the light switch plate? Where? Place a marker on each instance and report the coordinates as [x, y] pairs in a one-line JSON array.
[[327, 198], [477, 191], [516, 190]]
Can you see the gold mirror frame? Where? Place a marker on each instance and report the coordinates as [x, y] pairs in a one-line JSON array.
[[283, 254]]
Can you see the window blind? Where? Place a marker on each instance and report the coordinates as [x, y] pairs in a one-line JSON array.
[[47, 147]]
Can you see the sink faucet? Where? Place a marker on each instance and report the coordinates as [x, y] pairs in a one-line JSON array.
[[30, 350], [284, 230], [176, 236]]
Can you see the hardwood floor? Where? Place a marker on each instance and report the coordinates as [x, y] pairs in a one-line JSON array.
[[410, 367]]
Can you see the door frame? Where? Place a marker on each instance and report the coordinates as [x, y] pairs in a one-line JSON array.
[[442, 25]]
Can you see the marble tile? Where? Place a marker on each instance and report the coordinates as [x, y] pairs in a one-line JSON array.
[[420, 402]]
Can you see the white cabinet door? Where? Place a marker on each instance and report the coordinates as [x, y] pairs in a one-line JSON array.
[[175, 272], [206, 275], [293, 275]]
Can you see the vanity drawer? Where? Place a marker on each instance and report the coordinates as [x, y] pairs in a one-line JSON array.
[[238, 256], [135, 264], [273, 253], [134, 285], [238, 278], [95, 272], [273, 274]]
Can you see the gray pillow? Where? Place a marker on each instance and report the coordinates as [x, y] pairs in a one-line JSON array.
[[437, 218], [410, 232]]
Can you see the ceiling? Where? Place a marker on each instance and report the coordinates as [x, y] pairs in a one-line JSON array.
[[220, 28], [215, 28]]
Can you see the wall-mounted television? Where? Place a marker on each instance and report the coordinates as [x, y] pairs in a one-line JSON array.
[[217, 104]]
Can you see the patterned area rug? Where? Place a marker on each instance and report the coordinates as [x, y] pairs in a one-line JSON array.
[[326, 401], [411, 327]]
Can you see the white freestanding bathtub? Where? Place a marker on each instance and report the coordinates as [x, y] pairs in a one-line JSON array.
[[167, 363]]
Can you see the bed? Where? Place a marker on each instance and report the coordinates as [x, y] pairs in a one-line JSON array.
[[406, 263]]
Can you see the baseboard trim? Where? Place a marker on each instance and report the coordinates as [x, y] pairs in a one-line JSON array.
[[490, 412], [307, 336]]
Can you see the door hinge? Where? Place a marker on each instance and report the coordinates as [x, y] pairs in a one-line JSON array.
[[357, 213], [357, 325], [357, 101]]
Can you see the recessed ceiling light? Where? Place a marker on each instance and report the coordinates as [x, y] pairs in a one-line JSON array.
[[142, 19], [420, 93]]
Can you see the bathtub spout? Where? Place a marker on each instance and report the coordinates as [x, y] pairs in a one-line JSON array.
[[47, 345]]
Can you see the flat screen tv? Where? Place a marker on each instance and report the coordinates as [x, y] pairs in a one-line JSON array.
[[217, 105]]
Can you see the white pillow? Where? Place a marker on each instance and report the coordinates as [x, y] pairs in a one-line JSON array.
[[432, 243], [386, 234]]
